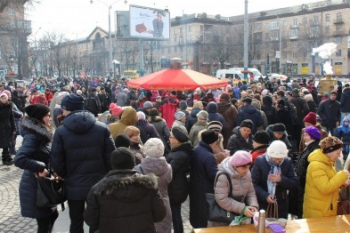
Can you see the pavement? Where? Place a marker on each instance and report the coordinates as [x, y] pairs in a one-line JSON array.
[[11, 220]]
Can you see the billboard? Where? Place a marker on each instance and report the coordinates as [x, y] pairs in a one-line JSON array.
[[149, 23]]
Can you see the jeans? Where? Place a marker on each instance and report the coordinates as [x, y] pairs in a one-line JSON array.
[[45, 225], [345, 151], [177, 218]]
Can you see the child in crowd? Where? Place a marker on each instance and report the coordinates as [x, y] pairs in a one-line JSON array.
[[343, 133]]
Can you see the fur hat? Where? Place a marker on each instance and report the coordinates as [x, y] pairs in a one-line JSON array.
[[154, 147], [37, 111], [313, 132], [122, 140], [122, 158], [72, 102], [277, 149], [247, 123], [147, 104], [279, 127], [215, 125], [180, 134], [262, 137], [141, 115], [115, 109], [310, 118], [202, 114], [209, 136], [330, 144], [179, 114], [240, 158]]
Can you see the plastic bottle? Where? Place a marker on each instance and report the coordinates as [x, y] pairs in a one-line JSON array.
[[261, 223]]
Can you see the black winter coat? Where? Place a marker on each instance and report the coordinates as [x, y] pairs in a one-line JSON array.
[[33, 157], [345, 100], [203, 172], [250, 112], [179, 159], [81, 152], [302, 109], [289, 181], [125, 201], [147, 130], [237, 142], [283, 116], [7, 125], [329, 111]]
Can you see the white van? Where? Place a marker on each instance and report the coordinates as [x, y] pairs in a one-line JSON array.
[[237, 76], [255, 73]]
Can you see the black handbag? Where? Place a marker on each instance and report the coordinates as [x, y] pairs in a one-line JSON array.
[[50, 191], [216, 213]]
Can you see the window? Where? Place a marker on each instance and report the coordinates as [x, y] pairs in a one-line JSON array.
[[338, 53], [327, 30], [267, 36], [328, 17], [257, 26], [295, 55], [169, 49], [295, 22], [338, 40], [175, 49], [274, 35], [339, 16], [180, 30], [339, 28], [314, 30], [189, 28], [305, 20], [274, 24], [316, 19], [295, 44], [294, 33]]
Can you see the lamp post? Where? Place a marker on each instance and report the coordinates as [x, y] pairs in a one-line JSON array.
[[245, 40], [110, 58], [279, 45]]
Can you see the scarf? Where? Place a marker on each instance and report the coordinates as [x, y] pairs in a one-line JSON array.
[[275, 168]]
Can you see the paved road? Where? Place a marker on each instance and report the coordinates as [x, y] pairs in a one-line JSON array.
[[11, 220]]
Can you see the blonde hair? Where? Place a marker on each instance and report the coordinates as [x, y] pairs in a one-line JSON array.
[[198, 104], [131, 131]]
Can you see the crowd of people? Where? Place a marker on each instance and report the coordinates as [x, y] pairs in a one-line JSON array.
[[129, 155]]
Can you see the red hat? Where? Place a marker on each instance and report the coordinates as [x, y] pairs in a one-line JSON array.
[[310, 118], [115, 109]]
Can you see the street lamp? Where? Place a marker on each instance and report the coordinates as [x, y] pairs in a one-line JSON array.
[[279, 45], [110, 58], [245, 40]]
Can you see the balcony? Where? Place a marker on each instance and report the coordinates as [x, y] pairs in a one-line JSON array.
[[338, 21], [293, 37]]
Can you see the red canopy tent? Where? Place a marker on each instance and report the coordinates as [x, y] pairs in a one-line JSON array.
[[177, 80]]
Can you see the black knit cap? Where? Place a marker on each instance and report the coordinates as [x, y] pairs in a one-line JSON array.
[[37, 111], [72, 102], [122, 140], [180, 134], [209, 136], [247, 123], [122, 158], [262, 137], [279, 127]]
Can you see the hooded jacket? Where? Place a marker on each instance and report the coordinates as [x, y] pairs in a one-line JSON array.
[[345, 100], [343, 131], [250, 112], [213, 115], [80, 153], [147, 130], [237, 142], [243, 192], [127, 117], [322, 186], [124, 201]]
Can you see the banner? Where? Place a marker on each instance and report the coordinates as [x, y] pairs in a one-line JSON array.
[[338, 67], [304, 68]]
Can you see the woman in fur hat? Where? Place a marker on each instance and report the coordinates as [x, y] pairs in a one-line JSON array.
[[33, 157]]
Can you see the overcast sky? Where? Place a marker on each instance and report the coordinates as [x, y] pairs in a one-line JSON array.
[[77, 18]]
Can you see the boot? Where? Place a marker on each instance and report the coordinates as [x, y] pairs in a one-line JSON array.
[[6, 159]]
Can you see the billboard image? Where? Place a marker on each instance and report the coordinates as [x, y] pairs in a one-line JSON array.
[[149, 23]]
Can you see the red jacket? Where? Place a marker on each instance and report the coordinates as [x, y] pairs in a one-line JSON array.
[[258, 151], [168, 109]]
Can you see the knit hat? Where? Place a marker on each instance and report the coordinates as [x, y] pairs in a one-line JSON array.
[[247, 123], [4, 94], [183, 105], [122, 140], [310, 118], [333, 93], [180, 134], [215, 125], [262, 137], [37, 111], [72, 102], [141, 115], [179, 114], [247, 100], [147, 104], [116, 110], [202, 114], [154, 147], [7, 92], [313, 132], [330, 144], [240, 158], [209, 136], [122, 158], [279, 127], [277, 149]]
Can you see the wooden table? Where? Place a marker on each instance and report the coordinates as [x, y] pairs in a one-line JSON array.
[[334, 224]]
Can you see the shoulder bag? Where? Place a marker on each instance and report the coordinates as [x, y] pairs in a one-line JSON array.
[[343, 206], [216, 213], [50, 191]]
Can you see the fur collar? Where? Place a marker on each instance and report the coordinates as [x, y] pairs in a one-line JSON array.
[[120, 179], [34, 126]]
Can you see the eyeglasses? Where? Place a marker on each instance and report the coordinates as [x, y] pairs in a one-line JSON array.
[[245, 165]]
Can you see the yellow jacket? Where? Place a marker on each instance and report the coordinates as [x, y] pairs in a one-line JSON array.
[[322, 186], [127, 117]]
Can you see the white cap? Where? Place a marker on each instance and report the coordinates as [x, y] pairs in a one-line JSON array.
[[277, 149]]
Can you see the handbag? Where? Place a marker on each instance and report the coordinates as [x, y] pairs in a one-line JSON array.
[[272, 210], [343, 206], [50, 191], [216, 213]]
